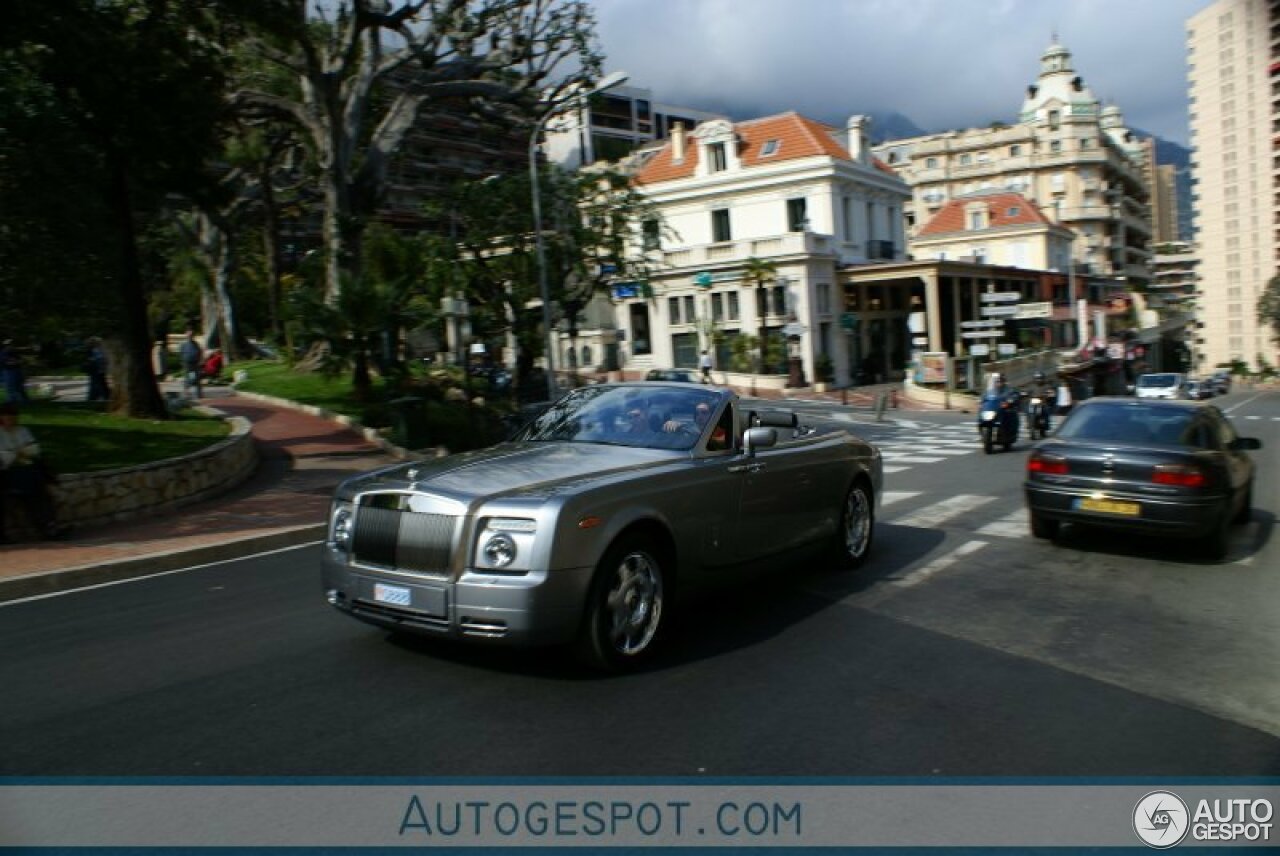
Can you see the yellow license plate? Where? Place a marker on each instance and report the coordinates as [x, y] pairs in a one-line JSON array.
[[1109, 506]]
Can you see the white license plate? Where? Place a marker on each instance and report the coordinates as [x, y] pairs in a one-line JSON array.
[[394, 595]]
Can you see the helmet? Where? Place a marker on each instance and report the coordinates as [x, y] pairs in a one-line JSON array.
[[1039, 377]]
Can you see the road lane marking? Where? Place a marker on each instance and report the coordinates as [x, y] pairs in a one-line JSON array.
[[889, 497], [932, 516], [923, 573], [904, 458], [1015, 525], [895, 469]]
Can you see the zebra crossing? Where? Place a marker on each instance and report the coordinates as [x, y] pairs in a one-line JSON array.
[[991, 517], [922, 443]]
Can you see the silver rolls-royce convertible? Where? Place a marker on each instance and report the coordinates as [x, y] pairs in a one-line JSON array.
[[585, 525]]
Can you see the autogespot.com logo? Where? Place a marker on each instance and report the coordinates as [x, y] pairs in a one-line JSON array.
[[1160, 819]]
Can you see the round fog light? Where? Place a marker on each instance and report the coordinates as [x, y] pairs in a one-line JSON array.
[[500, 550]]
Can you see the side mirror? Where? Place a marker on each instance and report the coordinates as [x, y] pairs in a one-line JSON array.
[[758, 438], [1242, 444]]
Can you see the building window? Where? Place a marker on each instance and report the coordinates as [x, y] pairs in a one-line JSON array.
[[931, 163], [976, 220], [732, 313], [779, 293], [690, 313], [1086, 143], [718, 159], [1015, 150], [770, 148], [1055, 145], [965, 160], [797, 216], [673, 310], [720, 230], [717, 307], [824, 298], [650, 234], [1055, 119], [846, 205]]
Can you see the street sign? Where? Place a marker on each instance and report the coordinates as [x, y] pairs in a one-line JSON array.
[[1003, 311], [920, 341], [1006, 350], [795, 328], [1001, 296], [1034, 310], [976, 350], [981, 334], [990, 322]]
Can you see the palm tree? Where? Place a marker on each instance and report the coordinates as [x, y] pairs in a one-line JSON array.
[[761, 274]]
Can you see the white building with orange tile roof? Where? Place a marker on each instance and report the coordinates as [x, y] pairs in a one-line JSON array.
[[996, 228], [786, 190]]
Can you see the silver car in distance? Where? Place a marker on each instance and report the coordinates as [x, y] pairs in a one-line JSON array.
[[585, 527]]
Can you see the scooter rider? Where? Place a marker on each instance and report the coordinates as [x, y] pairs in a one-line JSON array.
[[1042, 389]]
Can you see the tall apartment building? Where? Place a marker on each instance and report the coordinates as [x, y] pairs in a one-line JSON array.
[[612, 124], [1233, 56], [1162, 179], [1067, 153]]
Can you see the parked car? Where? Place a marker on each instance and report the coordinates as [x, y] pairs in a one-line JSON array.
[[1221, 382], [1198, 389], [1174, 468], [680, 375], [1160, 385], [587, 525]]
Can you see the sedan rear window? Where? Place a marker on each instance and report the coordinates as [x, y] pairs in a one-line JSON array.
[[1127, 423]]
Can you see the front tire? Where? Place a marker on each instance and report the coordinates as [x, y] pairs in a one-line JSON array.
[[987, 443], [857, 527], [624, 606]]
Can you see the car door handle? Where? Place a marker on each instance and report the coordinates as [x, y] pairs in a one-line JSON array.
[[746, 468]]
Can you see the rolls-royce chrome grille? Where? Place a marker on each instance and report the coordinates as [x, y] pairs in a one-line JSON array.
[[403, 539]]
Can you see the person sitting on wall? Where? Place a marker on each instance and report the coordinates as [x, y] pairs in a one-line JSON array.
[[212, 367], [23, 474]]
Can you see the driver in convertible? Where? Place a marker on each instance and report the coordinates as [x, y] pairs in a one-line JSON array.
[[701, 416]]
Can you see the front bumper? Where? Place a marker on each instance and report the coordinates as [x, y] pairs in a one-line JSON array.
[[536, 608], [1175, 516]]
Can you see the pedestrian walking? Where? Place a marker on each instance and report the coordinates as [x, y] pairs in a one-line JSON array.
[[95, 366], [704, 362], [191, 356], [15, 382]]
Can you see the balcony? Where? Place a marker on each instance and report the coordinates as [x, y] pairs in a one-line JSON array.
[[792, 243], [1085, 212]]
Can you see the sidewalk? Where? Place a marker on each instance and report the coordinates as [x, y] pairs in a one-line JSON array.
[[284, 503]]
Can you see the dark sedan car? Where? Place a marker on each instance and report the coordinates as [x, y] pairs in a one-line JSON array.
[[680, 375], [1159, 467]]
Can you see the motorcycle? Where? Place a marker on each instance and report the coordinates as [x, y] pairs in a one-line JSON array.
[[998, 420], [1037, 417]]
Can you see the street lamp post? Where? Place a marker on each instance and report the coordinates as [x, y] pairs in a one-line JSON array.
[[607, 82]]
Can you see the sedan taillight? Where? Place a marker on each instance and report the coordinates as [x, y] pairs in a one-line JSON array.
[[1179, 475], [1049, 465]]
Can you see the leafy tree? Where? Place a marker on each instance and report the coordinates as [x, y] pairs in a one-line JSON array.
[[500, 54], [760, 274], [1269, 307], [124, 98]]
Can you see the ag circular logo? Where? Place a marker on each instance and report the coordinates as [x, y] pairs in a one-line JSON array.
[[1160, 819]]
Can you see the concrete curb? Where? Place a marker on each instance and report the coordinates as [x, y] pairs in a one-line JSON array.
[[370, 434], [66, 579]]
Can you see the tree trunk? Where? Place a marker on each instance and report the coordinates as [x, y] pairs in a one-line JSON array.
[[271, 256], [222, 291], [137, 394]]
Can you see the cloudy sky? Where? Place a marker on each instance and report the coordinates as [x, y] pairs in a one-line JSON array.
[[942, 63]]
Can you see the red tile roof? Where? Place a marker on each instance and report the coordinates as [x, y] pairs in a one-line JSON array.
[[953, 216], [797, 136]]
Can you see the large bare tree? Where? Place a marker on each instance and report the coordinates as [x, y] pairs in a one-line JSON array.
[[501, 54]]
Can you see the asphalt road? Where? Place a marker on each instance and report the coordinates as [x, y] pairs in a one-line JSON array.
[[963, 648]]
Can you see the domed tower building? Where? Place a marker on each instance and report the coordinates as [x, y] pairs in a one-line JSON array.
[[1072, 157]]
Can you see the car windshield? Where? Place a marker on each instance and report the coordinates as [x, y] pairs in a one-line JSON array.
[[644, 417], [1127, 423], [1158, 380]]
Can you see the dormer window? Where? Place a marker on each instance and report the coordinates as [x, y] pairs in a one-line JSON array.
[[770, 148], [1055, 119], [976, 220], [719, 161], [1013, 212]]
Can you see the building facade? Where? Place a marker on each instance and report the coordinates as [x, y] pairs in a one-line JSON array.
[[1233, 55], [612, 124], [785, 197], [1066, 152]]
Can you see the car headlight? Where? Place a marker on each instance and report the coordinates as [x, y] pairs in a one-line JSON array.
[[500, 550], [340, 528], [988, 415]]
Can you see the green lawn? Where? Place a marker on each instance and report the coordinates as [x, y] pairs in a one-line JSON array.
[[279, 380], [79, 437]]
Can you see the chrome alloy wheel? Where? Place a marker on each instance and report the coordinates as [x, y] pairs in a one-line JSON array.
[[633, 603], [857, 523]]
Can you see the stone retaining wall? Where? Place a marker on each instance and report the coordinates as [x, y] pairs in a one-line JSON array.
[[86, 499]]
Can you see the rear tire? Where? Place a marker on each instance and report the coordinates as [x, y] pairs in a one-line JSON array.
[[624, 606], [1218, 542], [1042, 527], [857, 527], [1246, 507]]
